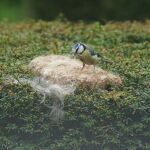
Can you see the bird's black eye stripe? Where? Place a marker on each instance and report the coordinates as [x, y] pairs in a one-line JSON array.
[[76, 49], [84, 46]]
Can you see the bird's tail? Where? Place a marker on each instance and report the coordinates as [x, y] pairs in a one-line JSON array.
[[106, 60], [103, 59]]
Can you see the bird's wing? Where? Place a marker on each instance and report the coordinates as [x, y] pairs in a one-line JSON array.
[[91, 51], [94, 54]]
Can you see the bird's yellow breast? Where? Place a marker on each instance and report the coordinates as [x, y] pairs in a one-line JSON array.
[[86, 58]]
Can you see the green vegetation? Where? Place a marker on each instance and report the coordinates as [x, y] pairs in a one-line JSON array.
[[117, 118]]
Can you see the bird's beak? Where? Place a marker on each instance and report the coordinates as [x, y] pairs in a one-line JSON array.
[[73, 51], [72, 54]]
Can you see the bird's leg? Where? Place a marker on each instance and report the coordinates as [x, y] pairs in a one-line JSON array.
[[94, 67], [83, 66]]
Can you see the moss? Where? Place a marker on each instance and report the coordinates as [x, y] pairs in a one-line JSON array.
[[113, 119]]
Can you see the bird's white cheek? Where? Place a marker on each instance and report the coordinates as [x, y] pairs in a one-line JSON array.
[[81, 49]]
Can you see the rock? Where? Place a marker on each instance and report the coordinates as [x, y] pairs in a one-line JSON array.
[[65, 70]]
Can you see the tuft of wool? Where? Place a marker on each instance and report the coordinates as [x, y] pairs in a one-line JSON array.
[[44, 87]]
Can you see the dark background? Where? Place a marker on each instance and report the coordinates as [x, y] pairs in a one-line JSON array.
[[87, 10]]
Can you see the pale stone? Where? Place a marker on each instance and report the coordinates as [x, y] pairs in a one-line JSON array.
[[65, 70]]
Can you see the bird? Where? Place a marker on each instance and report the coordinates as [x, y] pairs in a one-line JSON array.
[[87, 55]]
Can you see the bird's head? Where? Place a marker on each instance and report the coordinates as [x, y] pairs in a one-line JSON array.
[[78, 48]]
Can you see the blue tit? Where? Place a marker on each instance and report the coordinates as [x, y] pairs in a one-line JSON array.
[[86, 55]]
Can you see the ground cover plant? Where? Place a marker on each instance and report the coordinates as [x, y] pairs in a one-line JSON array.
[[116, 118]]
